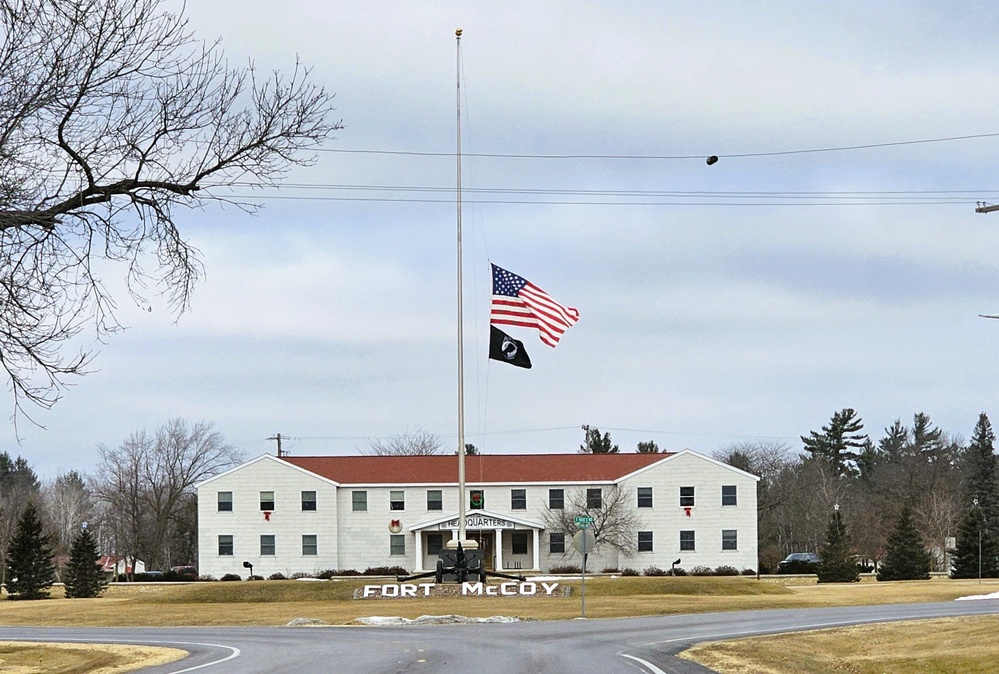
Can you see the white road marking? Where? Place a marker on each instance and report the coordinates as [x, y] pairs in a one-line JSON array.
[[644, 663]]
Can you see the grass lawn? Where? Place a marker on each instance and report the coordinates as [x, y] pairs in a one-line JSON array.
[[279, 602], [941, 646]]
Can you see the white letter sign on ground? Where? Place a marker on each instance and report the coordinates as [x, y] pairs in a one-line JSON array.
[[466, 589]]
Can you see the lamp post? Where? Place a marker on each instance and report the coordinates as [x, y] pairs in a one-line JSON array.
[[974, 504]]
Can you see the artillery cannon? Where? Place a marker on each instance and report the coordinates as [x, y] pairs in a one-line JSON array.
[[457, 563]]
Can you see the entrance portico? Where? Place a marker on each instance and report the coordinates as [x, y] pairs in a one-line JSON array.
[[506, 542]]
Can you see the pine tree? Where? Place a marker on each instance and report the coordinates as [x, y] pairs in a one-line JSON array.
[[597, 443], [979, 525], [838, 441], [84, 576], [906, 557], [837, 565], [29, 559]]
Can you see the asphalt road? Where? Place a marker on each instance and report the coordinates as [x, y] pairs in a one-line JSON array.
[[627, 645]]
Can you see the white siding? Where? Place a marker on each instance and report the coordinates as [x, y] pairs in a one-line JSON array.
[[246, 523]]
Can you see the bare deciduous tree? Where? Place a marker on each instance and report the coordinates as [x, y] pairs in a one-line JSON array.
[[68, 504], [615, 521], [147, 484], [112, 118], [420, 443]]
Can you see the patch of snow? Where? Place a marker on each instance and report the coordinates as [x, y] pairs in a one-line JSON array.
[[313, 580], [994, 595], [435, 620], [306, 622]]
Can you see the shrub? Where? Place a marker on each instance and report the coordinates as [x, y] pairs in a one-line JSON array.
[[610, 569], [677, 571], [566, 568], [277, 576], [748, 572], [654, 571], [385, 571], [628, 571], [725, 570], [230, 576], [255, 577], [701, 571]]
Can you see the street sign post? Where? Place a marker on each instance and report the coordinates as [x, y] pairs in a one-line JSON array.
[[584, 541]]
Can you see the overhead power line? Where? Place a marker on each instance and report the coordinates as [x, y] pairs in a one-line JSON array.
[[603, 197], [737, 155]]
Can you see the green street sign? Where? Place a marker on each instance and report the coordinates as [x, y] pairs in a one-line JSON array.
[[583, 521]]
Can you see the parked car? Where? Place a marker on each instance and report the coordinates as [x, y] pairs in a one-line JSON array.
[[799, 562], [188, 571]]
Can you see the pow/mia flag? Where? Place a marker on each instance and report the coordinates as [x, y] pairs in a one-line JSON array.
[[507, 349]]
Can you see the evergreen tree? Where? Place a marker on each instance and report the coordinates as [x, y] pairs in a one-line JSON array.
[[649, 447], [84, 577], [905, 557], [29, 559], [837, 565], [838, 441], [597, 443], [977, 530]]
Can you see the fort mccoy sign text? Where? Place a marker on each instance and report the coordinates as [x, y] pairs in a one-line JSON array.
[[508, 589]]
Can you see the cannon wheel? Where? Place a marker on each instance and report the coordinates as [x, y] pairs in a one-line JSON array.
[[439, 576]]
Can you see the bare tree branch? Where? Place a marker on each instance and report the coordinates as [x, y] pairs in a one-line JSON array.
[[112, 119]]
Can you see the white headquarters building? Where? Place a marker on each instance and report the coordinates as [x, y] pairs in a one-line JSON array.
[[304, 514]]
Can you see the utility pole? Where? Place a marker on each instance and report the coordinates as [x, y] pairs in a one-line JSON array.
[[277, 436], [986, 208]]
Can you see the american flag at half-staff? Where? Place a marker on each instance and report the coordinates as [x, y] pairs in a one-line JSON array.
[[517, 301]]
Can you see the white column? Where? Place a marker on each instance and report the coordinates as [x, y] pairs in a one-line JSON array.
[[537, 550], [419, 550], [499, 549]]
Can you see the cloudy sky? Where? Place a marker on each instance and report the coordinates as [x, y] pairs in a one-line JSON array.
[[746, 300]]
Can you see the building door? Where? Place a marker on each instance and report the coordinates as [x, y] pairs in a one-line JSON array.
[[485, 539]]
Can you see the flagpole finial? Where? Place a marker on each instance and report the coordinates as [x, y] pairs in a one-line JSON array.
[[457, 33]]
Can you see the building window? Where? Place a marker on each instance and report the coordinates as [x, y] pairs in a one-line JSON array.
[[730, 539], [594, 498], [645, 541], [476, 499], [645, 497], [556, 542], [686, 497], [518, 499], [435, 499], [225, 546], [310, 544], [267, 545], [686, 540], [267, 500], [397, 500], [518, 542], [359, 501], [225, 501], [397, 544], [308, 500], [435, 543], [556, 499], [730, 495]]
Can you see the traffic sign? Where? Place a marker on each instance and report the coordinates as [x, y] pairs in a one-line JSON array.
[[583, 521], [584, 541]]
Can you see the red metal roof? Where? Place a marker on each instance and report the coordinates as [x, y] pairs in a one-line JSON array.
[[483, 468]]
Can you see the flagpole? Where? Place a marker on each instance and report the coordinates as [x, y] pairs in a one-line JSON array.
[[461, 343]]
